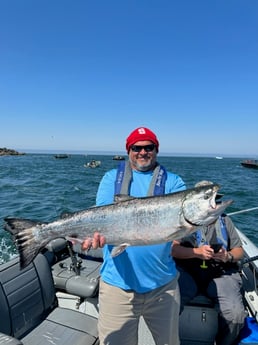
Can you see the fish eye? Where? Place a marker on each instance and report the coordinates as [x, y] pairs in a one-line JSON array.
[[207, 195]]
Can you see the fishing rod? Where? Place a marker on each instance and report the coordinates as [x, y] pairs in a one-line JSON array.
[[242, 211], [247, 260]]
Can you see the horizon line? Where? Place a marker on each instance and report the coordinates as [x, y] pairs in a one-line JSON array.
[[111, 152]]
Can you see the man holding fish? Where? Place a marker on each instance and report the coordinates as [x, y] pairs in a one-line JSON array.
[[142, 280], [140, 209]]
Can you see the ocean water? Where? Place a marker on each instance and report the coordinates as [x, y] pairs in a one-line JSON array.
[[41, 187]]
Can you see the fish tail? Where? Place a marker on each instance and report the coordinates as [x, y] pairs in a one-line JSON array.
[[26, 242]]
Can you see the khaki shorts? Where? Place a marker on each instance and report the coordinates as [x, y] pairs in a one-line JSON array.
[[120, 310]]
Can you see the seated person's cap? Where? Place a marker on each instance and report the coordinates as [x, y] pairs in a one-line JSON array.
[[141, 134]]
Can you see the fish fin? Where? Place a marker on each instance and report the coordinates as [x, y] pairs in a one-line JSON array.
[[117, 250], [14, 225], [123, 197], [26, 243]]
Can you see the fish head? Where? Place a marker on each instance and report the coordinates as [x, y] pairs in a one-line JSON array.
[[200, 207]]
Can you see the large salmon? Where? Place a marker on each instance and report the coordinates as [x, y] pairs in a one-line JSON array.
[[129, 221]]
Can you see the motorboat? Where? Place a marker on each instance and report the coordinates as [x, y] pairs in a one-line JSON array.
[[92, 164], [61, 156], [250, 163], [118, 158]]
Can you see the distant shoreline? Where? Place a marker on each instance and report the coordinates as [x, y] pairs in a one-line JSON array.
[[9, 152]]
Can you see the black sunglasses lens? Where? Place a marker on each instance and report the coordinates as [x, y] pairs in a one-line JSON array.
[[147, 148]]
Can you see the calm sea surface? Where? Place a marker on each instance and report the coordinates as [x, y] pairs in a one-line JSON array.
[[41, 187]]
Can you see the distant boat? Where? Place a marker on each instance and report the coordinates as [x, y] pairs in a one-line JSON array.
[[118, 158], [62, 155], [219, 157], [250, 163], [92, 164]]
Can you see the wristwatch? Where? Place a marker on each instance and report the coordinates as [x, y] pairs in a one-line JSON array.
[[230, 257]]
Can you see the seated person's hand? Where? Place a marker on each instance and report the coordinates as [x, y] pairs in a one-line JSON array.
[[222, 255], [98, 241], [204, 252]]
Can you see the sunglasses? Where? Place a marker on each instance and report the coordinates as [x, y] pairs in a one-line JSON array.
[[146, 148]]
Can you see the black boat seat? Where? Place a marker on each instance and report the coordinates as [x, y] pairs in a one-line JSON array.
[[201, 319], [201, 300], [30, 313]]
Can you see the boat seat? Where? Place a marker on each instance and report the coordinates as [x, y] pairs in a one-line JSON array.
[[201, 319], [75, 273], [201, 301], [30, 313], [84, 283]]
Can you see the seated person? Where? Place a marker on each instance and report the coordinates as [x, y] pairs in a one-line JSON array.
[[207, 262]]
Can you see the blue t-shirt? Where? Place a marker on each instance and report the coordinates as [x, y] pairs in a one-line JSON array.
[[138, 268]]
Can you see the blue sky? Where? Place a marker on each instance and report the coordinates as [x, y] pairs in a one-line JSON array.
[[81, 75]]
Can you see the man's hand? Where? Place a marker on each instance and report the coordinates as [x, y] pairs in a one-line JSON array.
[[98, 241]]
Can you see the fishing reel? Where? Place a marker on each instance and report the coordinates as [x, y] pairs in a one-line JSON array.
[[76, 263]]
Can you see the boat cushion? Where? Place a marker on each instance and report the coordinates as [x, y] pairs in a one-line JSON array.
[[64, 327], [29, 310], [26, 296], [201, 300], [85, 284], [202, 325], [7, 339]]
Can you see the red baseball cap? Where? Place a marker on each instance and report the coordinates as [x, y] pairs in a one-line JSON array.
[[141, 134]]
